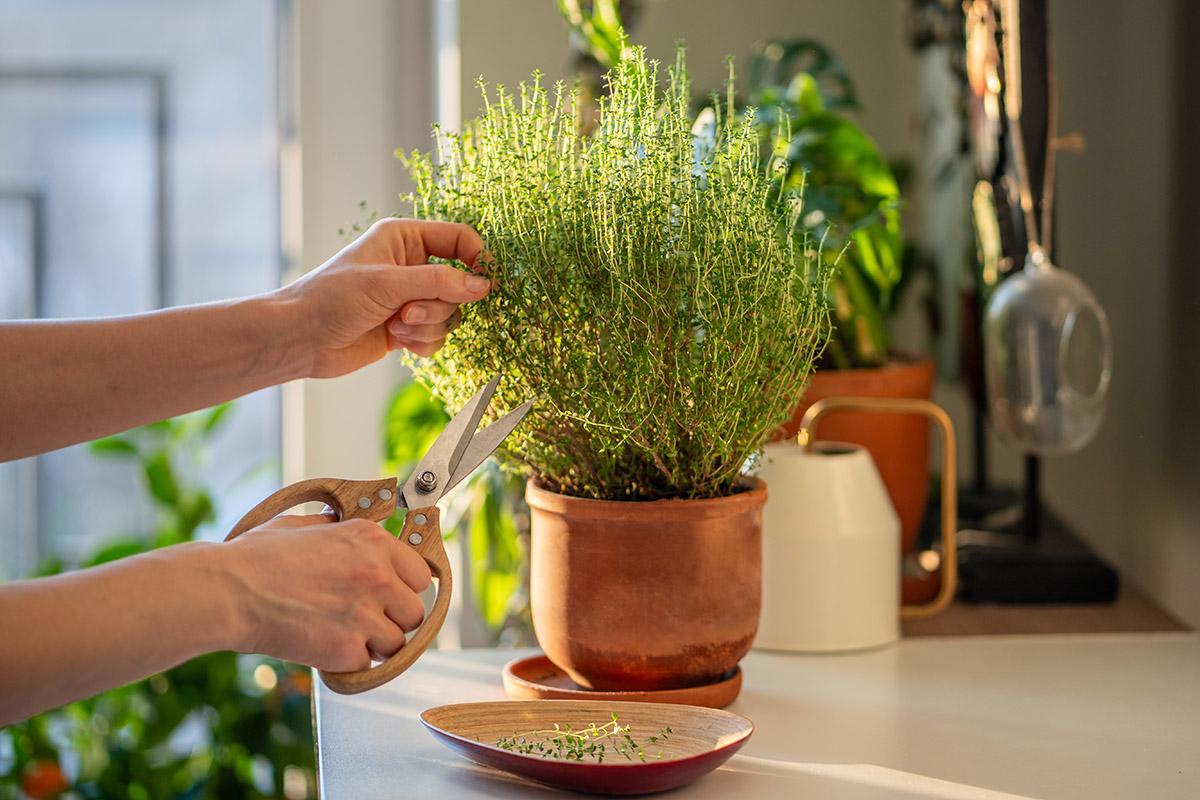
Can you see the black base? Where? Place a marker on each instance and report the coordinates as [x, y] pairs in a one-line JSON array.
[[1001, 559]]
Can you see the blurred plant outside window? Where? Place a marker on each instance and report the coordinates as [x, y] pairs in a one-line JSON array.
[[139, 168], [139, 144]]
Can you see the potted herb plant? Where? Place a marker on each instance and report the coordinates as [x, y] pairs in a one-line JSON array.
[[654, 297]]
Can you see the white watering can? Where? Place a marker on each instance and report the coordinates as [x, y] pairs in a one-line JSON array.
[[831, 539]]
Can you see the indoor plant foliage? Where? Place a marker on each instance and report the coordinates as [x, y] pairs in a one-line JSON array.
[[223, 725], [649, 288]]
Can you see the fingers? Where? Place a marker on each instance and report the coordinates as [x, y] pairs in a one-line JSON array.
[[429, 332], [427, 312], [411, 568], [421, 327], [433, 282], [423, 349], [289, 521], [403, 607], [384, 639], [445, 239]]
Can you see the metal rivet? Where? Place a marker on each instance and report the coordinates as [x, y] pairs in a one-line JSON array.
[[427, 481], [364, 502], [385, 494], [414, 538], [420, 519]]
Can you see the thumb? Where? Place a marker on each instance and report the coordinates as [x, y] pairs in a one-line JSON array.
[[433, 282]]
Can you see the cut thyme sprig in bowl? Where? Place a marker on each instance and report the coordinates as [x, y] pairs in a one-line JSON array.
[[505, 735], [649, 289], [593, 742]]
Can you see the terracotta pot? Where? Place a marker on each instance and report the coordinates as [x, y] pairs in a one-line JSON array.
[[646, 595], [898, 444]]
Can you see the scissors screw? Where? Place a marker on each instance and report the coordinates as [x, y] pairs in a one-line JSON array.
[[364, 502], [427, 481], [385, 494], [414, 538]]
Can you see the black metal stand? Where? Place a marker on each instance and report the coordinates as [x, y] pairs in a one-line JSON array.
[[1012, 549]]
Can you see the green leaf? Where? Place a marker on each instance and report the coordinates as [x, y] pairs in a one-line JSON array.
[[413, 420], [214, 416], [805, 95], [160, 478], [495, 556], [115, 551], [119, 446]]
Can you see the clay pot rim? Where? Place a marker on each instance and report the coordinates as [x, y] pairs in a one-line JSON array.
[[671, 508], [897, 360]]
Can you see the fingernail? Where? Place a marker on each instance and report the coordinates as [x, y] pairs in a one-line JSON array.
[[397, 328], [416, 314], [477, 283]]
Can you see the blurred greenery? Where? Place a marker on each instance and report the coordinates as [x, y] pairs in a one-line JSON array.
[[596, 27], [489, 509], [220, 726], [851, 195]]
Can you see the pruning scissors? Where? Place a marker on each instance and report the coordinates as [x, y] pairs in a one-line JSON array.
[[454, 455]]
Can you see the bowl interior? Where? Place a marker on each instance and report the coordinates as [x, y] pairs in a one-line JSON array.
[[693, 730]]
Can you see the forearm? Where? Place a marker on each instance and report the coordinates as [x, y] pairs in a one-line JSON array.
[[73, 635], [68, 381]]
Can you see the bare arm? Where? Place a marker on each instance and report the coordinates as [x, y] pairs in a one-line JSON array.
[[299, 588], [68, 381]]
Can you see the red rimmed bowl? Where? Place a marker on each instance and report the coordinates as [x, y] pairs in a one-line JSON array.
[[701, 739]]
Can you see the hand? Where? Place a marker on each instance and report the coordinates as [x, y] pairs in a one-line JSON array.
[[332, 595], [379, 294]]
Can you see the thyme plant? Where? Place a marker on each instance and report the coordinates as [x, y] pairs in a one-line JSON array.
[[648, 289]]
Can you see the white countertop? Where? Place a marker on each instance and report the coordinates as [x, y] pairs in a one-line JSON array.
[[1049, 717]]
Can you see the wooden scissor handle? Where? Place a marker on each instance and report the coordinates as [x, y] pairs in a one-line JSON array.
[[373, 500]]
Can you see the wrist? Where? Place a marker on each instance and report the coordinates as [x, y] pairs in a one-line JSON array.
[[288, 352], [228, 623]]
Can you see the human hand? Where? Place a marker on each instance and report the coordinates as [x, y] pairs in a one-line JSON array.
[[332, 595], [380, 294]]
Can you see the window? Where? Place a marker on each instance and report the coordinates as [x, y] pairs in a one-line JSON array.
[[139, 167]]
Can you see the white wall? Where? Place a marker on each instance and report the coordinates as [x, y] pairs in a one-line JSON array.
[[364, 90], [1135, 492], [506, 41]]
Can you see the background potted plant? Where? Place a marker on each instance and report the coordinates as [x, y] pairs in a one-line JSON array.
[[660, 304], [851, 203]]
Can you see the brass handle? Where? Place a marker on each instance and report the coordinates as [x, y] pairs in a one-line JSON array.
[[373, 500], [901, 405]]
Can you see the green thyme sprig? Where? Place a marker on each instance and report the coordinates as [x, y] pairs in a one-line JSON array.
[[593, 742], [650, 291]]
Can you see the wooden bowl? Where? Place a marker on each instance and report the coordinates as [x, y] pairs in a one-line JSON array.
[[701, 739]]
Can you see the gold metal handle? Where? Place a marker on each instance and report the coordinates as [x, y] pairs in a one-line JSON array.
[[901, 405], [373, 500]]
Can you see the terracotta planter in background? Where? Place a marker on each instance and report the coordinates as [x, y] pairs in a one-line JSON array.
[[898, 444], [646, 595]]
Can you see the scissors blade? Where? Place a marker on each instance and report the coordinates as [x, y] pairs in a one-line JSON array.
[[485, 443], [431, 477]]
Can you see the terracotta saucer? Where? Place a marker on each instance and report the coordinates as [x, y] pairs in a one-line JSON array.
[[536, 678]]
